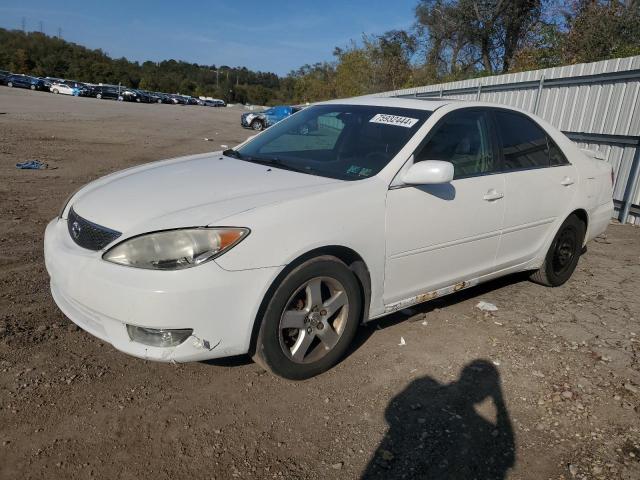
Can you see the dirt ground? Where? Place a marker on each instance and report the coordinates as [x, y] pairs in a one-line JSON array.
[[546, 387]]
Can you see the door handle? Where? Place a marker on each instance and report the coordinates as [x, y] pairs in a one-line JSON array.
[[492, 195], [566, 181]]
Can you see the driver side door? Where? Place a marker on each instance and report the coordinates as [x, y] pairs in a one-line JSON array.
[[442, 234]]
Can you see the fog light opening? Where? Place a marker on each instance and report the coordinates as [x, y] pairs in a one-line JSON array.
[[158, 337]]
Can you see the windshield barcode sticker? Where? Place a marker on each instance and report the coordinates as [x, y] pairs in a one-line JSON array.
[[394, 120]]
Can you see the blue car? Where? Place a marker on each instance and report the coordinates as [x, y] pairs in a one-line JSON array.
[[25, 81], [260, 120]]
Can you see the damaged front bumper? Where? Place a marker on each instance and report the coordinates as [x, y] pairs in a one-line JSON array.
[[103, 298]]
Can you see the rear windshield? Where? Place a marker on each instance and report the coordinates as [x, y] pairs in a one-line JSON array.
[[349, 142]]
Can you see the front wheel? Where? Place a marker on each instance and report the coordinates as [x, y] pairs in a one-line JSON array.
[[563, 255], [257, 125], [10, 84], [98, 96], [310, 320], [33, 87], [55, 90]]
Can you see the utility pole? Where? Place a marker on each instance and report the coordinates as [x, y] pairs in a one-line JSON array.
[[59, 33], [217, 78], [41, 26], [24, 25]]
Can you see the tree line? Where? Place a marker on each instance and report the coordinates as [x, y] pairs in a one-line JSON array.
[[449, 40]]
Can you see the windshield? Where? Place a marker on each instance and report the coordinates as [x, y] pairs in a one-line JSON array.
[[349, 142]]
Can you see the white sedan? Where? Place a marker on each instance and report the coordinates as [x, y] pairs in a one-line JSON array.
[[342, 213], [63, 89]]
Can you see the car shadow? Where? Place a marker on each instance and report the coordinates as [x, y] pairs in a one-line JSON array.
[[459, 430], [235, 361], [369, 328]]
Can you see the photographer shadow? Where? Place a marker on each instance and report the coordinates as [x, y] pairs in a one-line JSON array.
[[459, 430]]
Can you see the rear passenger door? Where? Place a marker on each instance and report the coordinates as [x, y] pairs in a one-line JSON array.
[[539, 184]]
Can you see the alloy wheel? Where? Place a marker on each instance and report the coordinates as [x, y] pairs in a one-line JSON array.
[[314, 320]]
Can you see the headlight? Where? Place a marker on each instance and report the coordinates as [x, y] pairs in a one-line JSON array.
[[175, 249]]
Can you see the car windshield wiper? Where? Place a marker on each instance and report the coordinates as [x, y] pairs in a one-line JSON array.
[[230, 152], [276, 162]]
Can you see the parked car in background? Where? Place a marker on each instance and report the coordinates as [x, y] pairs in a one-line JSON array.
[[152, 97], [163, 98], [64, 89], [25, 81], [178, 99], [261, 120], [133, 95], [283, 246], [213, 103], [3, 76], [106, 91]]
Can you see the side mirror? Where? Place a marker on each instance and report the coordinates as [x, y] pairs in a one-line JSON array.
[[428, 172]]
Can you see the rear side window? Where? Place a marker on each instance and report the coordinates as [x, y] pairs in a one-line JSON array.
[[524, 144], [556, 157], [463, 139]]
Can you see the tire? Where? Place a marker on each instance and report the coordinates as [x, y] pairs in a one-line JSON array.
[[321, 301], [55, 90], [563, 255], [99, 96], [32, 87], [121, 98], [159, 101], [10, 84], [257, 125]]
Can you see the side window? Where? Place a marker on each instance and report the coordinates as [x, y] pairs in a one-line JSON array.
[[556, 157], [463, 139], [524, 144]]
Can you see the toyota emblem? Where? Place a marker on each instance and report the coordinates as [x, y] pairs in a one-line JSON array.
[[75, 230]]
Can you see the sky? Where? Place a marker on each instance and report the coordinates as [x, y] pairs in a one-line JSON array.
[[267, 35]]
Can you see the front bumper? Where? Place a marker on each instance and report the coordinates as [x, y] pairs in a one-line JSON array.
[[102, 298]]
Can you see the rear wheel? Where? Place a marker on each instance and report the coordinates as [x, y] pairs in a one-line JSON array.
[[98, 96], [563, 255], [55, 90], [33, 87], [10, 84], [310, 320]]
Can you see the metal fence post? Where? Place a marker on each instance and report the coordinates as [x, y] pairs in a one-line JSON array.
[[538, 95], [479, 92], [634, 175]]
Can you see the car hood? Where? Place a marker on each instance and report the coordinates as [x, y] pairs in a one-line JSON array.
[[191, 191]]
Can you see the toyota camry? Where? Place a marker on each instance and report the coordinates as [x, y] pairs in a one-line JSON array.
[[342, 213]]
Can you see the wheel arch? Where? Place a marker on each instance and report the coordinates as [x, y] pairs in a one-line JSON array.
[[582, 214], [347, 255]]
